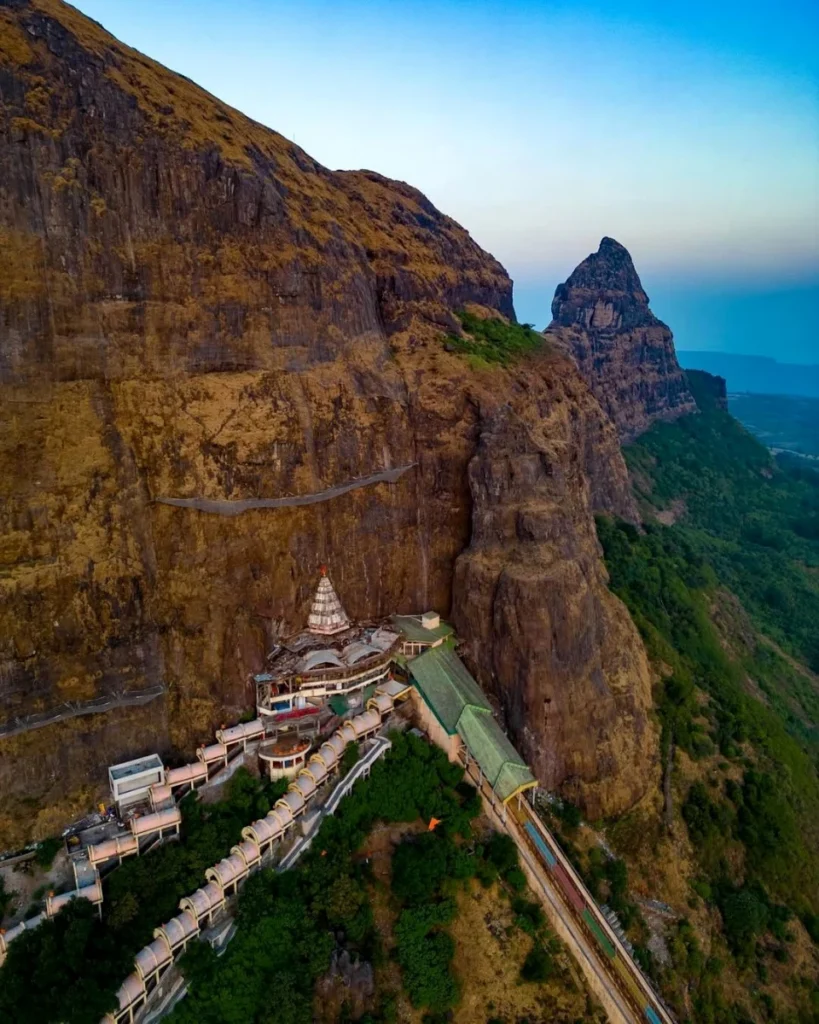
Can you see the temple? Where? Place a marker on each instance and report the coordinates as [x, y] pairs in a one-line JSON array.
[[333, 660]]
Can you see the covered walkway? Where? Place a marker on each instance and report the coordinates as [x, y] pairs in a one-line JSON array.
[[458, 717]]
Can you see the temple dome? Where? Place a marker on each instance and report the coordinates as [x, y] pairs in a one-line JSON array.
[[327, 615]]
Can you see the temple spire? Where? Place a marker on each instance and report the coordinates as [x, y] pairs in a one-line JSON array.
[[327, 615]]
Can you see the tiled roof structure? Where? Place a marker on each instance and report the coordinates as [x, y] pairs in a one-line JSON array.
[[459, 705]]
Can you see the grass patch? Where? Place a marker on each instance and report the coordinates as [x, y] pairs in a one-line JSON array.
[[493, 341]]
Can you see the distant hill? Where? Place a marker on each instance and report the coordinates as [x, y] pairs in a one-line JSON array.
[[756, 374]]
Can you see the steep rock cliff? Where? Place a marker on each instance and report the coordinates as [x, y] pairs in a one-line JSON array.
[[601, 315], [532, 602], [191, 307]]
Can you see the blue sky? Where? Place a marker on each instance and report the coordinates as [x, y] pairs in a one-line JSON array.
[[688, 131]]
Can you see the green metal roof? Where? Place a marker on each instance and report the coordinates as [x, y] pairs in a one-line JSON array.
[[410, 626], [447, 686], [504, 768], [340, 702], [460, 706]]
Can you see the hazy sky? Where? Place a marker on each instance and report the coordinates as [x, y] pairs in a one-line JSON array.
[[688, 131]]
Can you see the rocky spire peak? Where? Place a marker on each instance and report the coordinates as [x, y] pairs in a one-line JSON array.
[[611, 245], [601, 314], [609, 270]]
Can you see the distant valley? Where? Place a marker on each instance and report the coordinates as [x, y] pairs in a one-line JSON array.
[[777, 402], [758, 375], [785, 423]]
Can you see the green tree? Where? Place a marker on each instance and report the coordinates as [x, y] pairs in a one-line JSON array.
[[344, 900], [47, 850], [6, 898], [745, 916], [538, 965], [349, 758], [64, 970]]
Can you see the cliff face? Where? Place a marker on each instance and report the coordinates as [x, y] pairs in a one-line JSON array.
[[191, 307], [542, 630], [708, 389], [601, 315]]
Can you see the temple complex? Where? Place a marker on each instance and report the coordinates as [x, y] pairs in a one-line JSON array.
[[334, 684], [332, 658]]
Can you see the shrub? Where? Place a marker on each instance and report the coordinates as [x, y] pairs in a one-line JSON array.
[[569, 814], [538, 965], [425, 952], [502, 852], [528, 915], [419, 866], [515, 879], [811, 923], [744, 916], [6, 898], [349, 759], [47, 850], [494, 340]]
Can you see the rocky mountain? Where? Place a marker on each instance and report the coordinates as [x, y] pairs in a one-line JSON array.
[[601, 315], [192, 308]]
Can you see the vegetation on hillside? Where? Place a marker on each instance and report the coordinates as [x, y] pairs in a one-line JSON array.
[[288, 921], [492, 340], [69, 968], [753, 522], [727, 600]]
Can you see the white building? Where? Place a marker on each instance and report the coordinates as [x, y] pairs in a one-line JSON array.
[[131, 781]]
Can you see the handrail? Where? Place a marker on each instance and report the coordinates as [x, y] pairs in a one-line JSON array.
[[379, 748], [76, 709], [342, 672]]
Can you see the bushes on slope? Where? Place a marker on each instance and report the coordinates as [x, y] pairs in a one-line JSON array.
[[287, 920]]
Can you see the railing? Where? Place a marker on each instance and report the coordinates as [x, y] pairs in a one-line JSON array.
[[361, 768], [75, 709], [299, 680]]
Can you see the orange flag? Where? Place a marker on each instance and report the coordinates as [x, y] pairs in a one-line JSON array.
[[433, 824]]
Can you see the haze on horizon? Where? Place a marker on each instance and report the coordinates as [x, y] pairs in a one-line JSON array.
[[688, 132]]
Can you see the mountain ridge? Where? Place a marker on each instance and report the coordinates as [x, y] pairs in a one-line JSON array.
[[196, 309], [762, 375]]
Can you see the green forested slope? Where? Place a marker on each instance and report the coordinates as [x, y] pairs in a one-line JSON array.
[[756, 523], [727, 600]]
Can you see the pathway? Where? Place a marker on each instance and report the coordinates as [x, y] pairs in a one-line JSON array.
[[598, 970], [224, 507]]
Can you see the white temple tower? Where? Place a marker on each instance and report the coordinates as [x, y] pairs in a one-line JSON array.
[[327, 615]]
